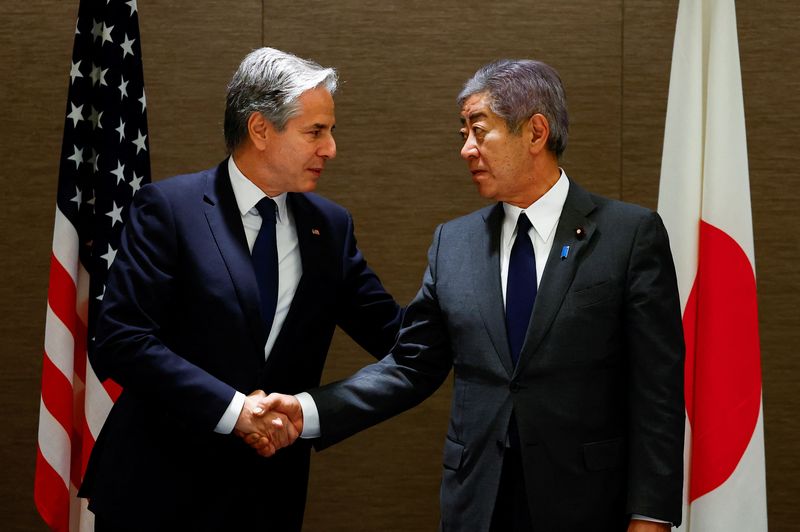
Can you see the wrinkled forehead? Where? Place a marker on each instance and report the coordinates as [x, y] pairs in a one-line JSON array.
[[476, 107]]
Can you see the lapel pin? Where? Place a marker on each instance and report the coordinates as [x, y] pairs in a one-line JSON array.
[[564, 252], [315, 231], [580, 233]]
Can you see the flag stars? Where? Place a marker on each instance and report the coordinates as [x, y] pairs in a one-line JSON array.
[[78, 197], [115, 214], [110, 255], [76, 115], [119, 172], [98, 75], [100, 297], [97, 30], [140, 142], [95, 118], [133, 6], [123, 88], [121, 130], [77, 156], [127, 46], [107, 34], [143, 99], [136, 183], [75, 72]]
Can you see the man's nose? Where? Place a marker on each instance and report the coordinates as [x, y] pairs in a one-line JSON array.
[[328, 149], [469, 150]]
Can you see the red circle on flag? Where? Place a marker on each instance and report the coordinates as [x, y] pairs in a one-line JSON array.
[[723, 369]]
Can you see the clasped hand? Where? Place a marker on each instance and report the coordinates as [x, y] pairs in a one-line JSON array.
[[269, 423]]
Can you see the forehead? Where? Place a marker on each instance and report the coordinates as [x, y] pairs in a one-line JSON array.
[[476, 107], [316, 102]]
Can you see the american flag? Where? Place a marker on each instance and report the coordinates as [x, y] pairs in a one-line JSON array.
[[104, 162]]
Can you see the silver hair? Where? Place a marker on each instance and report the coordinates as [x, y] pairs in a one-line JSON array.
[[270, 82], [519, 89]]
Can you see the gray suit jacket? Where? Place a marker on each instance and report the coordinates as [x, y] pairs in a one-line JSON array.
[[598, 390]]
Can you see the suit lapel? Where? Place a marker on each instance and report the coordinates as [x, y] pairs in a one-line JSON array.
[[486, 250], [225, 222], [558, 273]]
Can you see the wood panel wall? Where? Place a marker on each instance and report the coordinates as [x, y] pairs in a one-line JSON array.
[[398, 170]]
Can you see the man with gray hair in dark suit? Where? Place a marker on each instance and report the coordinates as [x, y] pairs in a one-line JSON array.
[[228, 282], [558, 312]]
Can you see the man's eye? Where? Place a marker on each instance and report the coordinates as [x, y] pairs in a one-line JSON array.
[[463, 134]]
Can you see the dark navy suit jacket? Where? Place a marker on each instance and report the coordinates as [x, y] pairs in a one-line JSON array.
[[181, 331]]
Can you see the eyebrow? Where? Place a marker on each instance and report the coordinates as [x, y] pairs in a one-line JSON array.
[[474, 116]]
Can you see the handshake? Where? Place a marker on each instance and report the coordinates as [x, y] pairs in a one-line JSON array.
[[269, 423]]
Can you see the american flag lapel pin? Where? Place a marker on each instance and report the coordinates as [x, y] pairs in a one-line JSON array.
[[315, 231]]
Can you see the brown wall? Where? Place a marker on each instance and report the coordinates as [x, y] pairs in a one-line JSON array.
[[398, 171]]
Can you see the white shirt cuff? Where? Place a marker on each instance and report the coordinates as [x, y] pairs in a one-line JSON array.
[[645, 518], [311, 427], [231, 416]]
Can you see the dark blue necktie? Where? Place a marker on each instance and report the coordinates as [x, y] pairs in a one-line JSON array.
[[265, 261], [520, 287]]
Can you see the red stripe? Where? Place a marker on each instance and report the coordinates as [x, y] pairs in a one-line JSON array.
[[113, 389], [51, 495], [57, 393], [723, 368], [61, 295]]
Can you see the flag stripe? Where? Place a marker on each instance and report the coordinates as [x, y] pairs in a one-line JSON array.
[[58, 399], [98, 404], [65, 244], [53, 439], [59, 344], [51, 495]]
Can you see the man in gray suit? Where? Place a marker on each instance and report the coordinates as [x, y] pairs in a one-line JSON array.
[[558, 311]]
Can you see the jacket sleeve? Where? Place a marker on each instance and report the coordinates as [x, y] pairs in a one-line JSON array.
[[134, 322], [655, 350]]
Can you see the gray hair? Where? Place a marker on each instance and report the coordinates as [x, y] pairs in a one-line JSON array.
[[519, 89], [269, 81]]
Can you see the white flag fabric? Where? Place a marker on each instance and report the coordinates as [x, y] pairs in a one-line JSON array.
[[704, 199]]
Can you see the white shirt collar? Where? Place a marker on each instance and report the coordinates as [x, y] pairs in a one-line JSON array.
[[543, 213], [248, 194]]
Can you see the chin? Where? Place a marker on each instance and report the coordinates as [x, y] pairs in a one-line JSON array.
[[487, 192]]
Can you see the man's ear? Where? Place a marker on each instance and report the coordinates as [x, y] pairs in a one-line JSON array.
[[259, 129], [538, 129]]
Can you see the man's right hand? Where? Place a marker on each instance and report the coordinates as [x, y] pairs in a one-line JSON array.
[[265, 430], [276, 406]]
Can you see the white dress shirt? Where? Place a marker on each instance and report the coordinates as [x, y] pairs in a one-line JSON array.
[[543, 215], [290, 267]]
